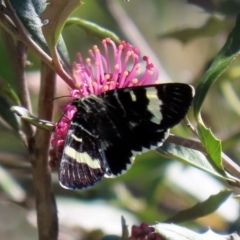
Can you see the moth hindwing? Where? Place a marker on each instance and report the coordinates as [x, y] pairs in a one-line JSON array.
[[108, 130]]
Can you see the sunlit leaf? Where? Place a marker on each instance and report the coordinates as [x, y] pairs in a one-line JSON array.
[[190, 157]]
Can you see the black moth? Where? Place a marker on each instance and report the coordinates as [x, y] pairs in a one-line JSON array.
[[108, 130]]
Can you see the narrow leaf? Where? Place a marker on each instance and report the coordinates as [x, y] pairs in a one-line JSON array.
[[93, 29], [225, 57], [201, 209], [27, 116]]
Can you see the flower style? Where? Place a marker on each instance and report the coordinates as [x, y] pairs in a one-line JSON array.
[[106, 73]]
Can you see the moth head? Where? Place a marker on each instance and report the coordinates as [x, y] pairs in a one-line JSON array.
[[75, 102]]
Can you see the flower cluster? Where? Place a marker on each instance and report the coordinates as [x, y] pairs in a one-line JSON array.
[[144, 232], [117, 67]]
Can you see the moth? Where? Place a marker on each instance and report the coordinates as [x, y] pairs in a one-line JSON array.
[[110, 129]]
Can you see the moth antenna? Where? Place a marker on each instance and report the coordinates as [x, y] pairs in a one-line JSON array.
[[58, 98]]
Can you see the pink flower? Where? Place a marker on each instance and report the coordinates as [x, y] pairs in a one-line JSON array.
[[102, 72]]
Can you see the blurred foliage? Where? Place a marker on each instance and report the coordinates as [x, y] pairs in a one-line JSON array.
[[184, 37]]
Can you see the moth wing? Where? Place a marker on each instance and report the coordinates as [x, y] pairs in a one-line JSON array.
[[138, 119], [83, 162]]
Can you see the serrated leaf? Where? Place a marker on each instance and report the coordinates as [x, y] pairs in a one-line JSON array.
[[7, 115], [175, 232], [221, 62], [212, 145], [190, 157], [93, 29], [29, 12], [27, 116], [55, 17], [201, 209]]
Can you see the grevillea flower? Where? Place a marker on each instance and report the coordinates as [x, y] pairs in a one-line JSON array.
[[99, 73]]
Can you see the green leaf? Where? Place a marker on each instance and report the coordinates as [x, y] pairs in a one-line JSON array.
[[6, 90], [93, 29], [191, 157], [7, 115], [225, 57], [55, 16], [29, 12], [212, 27], [27, 116], [212, 146], [201, 209]]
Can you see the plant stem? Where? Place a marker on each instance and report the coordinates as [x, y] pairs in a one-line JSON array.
[[45, 202]]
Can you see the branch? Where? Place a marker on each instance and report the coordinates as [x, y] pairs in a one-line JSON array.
[[45, 202]]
